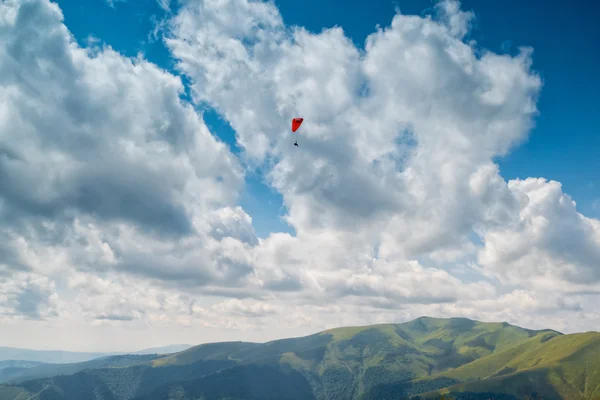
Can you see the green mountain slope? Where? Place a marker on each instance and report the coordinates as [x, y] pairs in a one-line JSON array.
[[377, 358], [556, 367], [390, 361]]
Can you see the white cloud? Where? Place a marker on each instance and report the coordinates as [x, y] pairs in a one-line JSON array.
[[119, 208], [357, 163], [233, 223], [457, 20], [164, 4], [398, 143], [28, 296], [548, 241], [103, 166]]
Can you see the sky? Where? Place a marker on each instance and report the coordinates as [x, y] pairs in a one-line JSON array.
[[150, 192]]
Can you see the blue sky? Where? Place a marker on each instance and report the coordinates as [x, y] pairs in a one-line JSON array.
[[140, 220], [563, 146]]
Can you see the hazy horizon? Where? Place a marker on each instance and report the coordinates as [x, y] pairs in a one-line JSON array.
[[98, 352], [123, 351]]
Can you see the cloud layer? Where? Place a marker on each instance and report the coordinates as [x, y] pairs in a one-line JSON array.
[[119, 208]]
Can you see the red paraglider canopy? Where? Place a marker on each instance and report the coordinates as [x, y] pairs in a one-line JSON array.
[[296, 122]]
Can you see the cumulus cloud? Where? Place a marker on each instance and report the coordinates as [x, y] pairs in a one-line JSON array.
[[28, 296], [384, 137], [120, 209], [397, 149], [548, 239], [102, 164]]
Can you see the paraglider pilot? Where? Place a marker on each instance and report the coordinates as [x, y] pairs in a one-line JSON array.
[[296, 122]]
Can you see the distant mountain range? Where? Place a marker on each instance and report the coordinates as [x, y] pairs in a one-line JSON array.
[[419, 359], [60, 357], [173, 348]]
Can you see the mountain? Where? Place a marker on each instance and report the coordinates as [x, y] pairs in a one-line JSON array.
[[555, 367], [18, 364], [17, 371], [64, 357], [173, 348], [20, 370], [47, 356], [9, 368], [419, 359], [46, 370]]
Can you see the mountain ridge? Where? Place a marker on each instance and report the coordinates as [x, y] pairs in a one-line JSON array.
[[422, 357], [65, 356]]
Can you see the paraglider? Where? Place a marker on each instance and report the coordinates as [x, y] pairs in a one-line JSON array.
[[296, 122]]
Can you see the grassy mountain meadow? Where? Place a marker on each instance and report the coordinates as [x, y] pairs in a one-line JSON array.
[[420, 359]]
